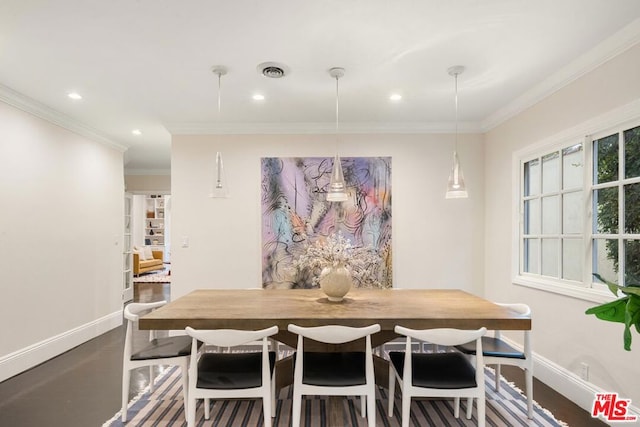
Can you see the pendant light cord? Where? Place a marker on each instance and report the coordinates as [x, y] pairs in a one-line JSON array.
[[337, 113], [218, 157], [456, 101], [337, 106], [456, 187], [219, 103]]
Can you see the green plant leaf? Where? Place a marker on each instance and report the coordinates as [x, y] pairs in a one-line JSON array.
[[628, 316], [624, 310], [612, 286], [634, 304], [613, 311], [627, 338], [635, 290]]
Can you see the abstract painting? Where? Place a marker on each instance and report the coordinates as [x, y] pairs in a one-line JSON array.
[[296, 214]]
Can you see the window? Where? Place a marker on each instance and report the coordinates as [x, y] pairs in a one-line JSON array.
[[552, 226], [579, 211], [615, 197]]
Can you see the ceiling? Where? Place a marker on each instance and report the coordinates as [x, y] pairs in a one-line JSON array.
[[146, 64]]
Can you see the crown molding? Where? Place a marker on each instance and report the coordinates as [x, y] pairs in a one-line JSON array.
[[44, 112], [619, 42], [627, 114], [319, 128]]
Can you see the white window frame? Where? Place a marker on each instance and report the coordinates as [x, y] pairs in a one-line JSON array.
[[619, 184], [615, 121]]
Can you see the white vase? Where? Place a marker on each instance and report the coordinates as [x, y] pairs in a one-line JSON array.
[[335, 282]]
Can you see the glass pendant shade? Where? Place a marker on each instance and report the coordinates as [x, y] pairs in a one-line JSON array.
[[337, 187], [220, 188], [456, 188]]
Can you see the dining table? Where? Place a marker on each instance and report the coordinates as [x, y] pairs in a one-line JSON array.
[[255, 309], [262, 308]]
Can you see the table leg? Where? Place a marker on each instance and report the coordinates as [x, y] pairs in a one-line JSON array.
[[284, 372], [381, 371]]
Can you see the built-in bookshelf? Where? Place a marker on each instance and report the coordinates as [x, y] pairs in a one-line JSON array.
[[154, 231]]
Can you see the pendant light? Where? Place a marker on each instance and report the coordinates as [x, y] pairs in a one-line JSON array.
[[456, 188], [337, 186], [220, 188]]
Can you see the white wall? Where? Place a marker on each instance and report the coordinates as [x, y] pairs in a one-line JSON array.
[[61, 225], [562, 333], [437, 243]]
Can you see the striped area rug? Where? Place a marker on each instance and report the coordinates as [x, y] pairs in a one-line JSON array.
[[164, 407]]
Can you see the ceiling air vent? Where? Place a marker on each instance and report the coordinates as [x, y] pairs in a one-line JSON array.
[[273, 70]]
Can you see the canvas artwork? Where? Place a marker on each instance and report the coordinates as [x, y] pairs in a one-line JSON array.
[[297, 217]]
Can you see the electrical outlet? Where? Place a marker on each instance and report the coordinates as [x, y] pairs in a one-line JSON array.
[[584, 371]]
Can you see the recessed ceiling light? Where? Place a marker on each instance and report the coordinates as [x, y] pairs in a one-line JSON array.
[[395, 97], [258, 97], [136, 132], [74, 95]]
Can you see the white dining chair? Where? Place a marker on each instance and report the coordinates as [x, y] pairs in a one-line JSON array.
[[448, 374], [172, 350], [348, 373], [498, 352], [224, 375]]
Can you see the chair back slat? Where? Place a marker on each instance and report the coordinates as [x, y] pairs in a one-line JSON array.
[[132, 311], [334, 334], [230, 337], [442, 336]]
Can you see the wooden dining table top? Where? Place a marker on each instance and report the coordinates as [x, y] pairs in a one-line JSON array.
[[257, 308]]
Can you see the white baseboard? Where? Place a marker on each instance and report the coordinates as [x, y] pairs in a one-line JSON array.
[[568, 384], [33, 355]]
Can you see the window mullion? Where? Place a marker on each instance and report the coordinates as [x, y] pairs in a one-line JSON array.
[[539, 239], [522, 263], [560, 215], [606, 236], [621, 219], [587, 225], [521, 258], [628, 181], [539, 215]]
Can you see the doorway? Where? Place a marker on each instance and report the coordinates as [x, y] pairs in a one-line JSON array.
[[151, 223], [150, 244]]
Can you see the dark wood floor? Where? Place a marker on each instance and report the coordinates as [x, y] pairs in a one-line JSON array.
[[81, 388], [562, 408]]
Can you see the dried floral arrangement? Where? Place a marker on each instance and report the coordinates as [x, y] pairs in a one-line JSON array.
[[335, 249]]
